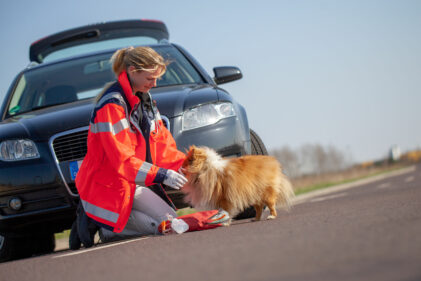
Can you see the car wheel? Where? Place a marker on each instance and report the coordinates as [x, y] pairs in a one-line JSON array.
[[24, 247], [257, 148], [11, 248], [5, 251]]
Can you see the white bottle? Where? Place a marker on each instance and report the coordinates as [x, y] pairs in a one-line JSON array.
[[179, 226]]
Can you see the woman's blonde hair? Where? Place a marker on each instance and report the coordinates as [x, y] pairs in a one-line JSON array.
[[142, 58]]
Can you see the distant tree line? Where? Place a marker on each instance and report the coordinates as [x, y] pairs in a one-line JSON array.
[[311, 159]]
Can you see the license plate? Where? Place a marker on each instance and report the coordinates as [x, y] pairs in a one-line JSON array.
[[74, 168]]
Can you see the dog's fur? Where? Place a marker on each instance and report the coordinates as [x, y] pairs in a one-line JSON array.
[[234, 184]]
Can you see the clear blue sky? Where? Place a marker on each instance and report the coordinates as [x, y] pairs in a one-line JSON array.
[[346, 73]]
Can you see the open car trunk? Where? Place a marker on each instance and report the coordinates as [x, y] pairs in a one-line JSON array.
[[98, 37]]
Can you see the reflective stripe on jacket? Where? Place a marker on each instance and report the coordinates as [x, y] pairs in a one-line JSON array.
[[115, 161]]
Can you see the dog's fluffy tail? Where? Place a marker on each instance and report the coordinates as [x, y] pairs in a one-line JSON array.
[[286, 193]]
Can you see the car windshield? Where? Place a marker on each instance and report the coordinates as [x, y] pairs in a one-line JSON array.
[[84, 78]]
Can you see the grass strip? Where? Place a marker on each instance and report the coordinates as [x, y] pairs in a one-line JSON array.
[[62, 235], [334, 183]]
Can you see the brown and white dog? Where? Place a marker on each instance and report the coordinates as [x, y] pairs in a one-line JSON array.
[[233, 184]]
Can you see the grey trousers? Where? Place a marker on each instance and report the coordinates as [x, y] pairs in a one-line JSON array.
[[148, 211]]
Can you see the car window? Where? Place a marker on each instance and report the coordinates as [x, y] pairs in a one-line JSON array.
[[179, 71], [83, 78], [14, 107]]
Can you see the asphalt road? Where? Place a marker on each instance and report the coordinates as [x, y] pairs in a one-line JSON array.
[[371, 231]]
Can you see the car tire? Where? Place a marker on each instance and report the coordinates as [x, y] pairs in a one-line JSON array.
[[257, 148], [13, 248], [23, 247], [5, 248]]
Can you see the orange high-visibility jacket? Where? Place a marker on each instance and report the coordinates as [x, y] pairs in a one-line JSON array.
[[115, 161]]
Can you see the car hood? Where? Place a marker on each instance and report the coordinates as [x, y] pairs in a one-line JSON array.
[[41, 124], [173, 100]]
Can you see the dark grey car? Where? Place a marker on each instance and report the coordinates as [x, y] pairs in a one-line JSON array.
[[45, 117]]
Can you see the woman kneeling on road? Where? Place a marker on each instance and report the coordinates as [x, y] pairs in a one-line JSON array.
[[129, 148]]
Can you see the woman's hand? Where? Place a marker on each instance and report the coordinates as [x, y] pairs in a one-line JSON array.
[[174, 179]]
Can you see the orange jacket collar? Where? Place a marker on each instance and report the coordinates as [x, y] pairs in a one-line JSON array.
[[127, 88]]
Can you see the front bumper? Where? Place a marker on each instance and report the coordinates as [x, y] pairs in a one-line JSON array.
[[46, 204]]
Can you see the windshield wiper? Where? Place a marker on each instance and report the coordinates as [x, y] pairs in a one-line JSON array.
[[45, 106], [38, 107], [12, 114]]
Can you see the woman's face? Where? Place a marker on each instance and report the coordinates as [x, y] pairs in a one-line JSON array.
[[143, 81]]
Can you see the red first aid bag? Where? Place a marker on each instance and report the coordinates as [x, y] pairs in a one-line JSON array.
[[196, 221]]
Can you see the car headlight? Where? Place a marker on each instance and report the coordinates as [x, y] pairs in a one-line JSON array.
[[207, 114], [15, 150]]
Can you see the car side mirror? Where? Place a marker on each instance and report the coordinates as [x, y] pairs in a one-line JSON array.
[[225, 74]]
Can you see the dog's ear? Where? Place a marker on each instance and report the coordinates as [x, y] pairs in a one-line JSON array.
[[190, 152], [192, 148], [190, 156]]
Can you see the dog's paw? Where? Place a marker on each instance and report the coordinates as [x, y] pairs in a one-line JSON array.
[[270, 217]]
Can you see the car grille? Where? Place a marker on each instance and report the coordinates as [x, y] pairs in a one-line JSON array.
[[71, 147]]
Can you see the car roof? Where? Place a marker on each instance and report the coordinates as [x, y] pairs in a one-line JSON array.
[[86, 38]]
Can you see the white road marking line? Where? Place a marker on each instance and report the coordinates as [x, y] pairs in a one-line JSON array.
[[98, 248], [328, 197], [409, 179], [384, 185]]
